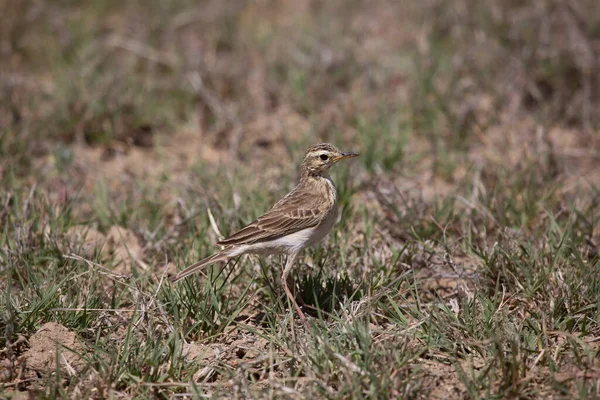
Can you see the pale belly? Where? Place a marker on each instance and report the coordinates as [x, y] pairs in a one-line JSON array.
[[324, 228]]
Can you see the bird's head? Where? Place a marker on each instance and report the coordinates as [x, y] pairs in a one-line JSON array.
[[319, 158]]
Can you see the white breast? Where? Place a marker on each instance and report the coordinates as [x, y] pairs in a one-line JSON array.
[[325, 227]]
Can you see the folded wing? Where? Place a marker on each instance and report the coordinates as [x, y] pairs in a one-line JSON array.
[[297, 211]]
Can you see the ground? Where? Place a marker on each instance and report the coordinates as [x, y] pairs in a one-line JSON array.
[[464, 262]]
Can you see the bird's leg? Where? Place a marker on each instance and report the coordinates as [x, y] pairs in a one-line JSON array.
[[286, 270], [292, 282]]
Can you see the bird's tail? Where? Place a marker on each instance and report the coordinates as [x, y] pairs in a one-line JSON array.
[[197, 266]]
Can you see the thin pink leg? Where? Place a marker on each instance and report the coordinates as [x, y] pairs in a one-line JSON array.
[[286, 270]]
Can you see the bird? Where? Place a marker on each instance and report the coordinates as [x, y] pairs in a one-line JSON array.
[[300, 219]]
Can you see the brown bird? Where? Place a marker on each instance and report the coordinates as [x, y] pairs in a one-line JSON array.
[[303, 217]]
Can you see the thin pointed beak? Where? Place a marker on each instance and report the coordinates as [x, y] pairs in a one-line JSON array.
[[348, 154]]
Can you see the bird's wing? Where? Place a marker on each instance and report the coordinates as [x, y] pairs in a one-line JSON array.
[[297, 211]]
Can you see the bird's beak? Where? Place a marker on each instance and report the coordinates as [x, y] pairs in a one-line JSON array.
[[346, 155]]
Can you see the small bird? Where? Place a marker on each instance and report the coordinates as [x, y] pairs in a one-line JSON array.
[[302, 218]]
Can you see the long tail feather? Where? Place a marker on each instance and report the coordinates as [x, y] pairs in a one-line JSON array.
[[197, 266]]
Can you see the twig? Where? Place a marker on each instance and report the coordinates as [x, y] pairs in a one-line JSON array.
[[213, 223]]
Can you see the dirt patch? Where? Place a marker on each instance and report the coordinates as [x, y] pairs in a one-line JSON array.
[[119, 166], [84, 240], [125, 248], [444, 381], [270, 133], [52, 339], [119, 245], [244, 351]]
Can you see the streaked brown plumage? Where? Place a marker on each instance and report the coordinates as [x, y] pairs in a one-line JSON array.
[[300, 219]]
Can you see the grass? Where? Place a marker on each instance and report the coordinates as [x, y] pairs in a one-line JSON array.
[[464, 263]]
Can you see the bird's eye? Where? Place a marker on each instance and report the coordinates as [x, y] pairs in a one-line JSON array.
[[324, 157]]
